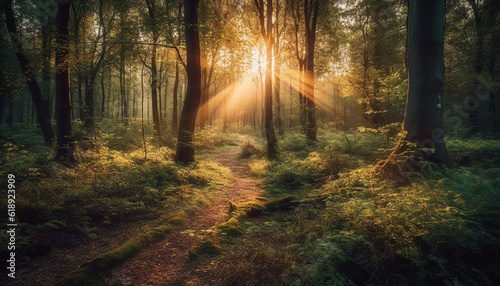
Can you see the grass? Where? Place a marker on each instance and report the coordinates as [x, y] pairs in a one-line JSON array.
[[327, 217], [352, 227], [113, 183]]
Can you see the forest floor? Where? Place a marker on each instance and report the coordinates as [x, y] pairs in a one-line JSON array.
[[164, 263], [343, 225]]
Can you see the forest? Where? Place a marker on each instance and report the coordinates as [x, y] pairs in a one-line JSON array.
[[250, 142]]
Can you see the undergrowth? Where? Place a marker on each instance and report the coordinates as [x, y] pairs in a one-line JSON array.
[[353, 227], [115, 181]]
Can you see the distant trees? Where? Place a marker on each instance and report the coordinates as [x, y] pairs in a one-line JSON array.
[[29, 73], [309, 62]]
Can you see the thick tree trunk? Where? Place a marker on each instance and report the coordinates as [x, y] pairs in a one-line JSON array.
[[423, 120], [28, 71], [185, 148], [63, 91]]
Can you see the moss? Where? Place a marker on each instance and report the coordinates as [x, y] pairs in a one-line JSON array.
[[231, 227], [87, 273], [282, 204], [205, 247], [249, 209]]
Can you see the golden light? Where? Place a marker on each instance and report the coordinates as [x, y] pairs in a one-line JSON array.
[[258, 63]]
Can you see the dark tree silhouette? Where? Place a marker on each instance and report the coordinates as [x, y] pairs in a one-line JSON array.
[[63, 93], [185, 148], [28, 72], [311, 8], [423, 119], [266, 29]]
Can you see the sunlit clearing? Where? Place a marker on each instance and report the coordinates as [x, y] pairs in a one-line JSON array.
[[320, 98]]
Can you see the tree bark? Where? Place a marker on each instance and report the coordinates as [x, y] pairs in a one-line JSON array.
[[65, 151], [266, 28], [28, 72], [154, 94], [423, 119], [174, 99], [185, 148], [311, 17]]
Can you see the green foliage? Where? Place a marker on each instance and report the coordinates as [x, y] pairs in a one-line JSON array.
[[211, 137], [108, 186], [474, 152], [355, 228], [90, 272], [249, 150]]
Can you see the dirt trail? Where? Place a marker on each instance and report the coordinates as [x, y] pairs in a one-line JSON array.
[[164, 263]]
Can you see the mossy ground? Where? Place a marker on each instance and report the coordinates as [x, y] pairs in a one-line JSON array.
[[328, 218], [353, 227]]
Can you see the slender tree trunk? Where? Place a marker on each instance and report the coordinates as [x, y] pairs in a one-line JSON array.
[[103, 93], [266, 28], [311, 17], [65, 151], [174, 99], [88, 118], [159, 84], [28, 71], [123, 92], [185, 148], [154, 94], [46, 55], [277, 91]]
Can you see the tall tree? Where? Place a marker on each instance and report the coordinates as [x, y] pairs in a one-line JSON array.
[[311, 8], [185, 148], [152, 11], [266, 30], [29, 74], [423, 120], [63, 95]]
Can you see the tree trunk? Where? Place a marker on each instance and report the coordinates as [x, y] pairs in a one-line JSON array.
[[123, 94], [311, 17], [185, 148], [266, 28], [174, 99], [154, 94], [88, 118], [63, 91], [28, 71], [103, 93], [423, 120], [46, 55]]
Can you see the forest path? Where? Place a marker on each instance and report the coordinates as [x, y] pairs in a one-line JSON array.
[[164, 263]]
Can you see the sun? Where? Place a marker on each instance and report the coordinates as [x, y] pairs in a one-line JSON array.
[[258, 62]]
